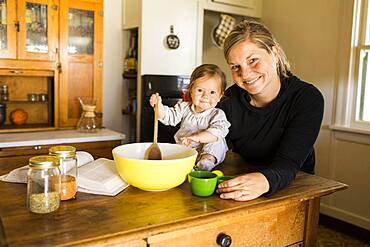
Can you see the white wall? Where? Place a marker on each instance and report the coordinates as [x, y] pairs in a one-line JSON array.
[[315, 34], [155, 57], [113, 62], [308, 33]]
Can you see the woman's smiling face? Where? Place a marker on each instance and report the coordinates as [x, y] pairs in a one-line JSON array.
[[253, 68]]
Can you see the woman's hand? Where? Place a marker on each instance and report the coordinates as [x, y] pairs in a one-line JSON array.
[[244, 188]]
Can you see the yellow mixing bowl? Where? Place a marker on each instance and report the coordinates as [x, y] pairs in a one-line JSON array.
[[154, 175]]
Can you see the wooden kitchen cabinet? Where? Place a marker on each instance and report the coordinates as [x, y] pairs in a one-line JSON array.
[[8, 31], [29, 29], [13, 157], [63, 39], [33, 92], [81, 54]]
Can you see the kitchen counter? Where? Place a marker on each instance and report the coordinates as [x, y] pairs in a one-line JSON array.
[[17, 148], [169, 218], [56, 137]]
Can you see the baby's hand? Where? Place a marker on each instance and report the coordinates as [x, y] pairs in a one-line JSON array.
[[190, 141], [154, 99]]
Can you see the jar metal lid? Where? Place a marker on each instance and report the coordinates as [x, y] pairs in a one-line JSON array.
[[44, 161], [63, 151]]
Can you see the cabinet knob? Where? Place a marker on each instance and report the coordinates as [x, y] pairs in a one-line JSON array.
[[16, 72], [59, 67], [223, 240], [16, 25]]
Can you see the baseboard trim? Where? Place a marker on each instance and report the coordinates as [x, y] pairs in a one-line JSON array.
[[345, 216], [345, 228]]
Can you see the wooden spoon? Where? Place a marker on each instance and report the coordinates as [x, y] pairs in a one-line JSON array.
[[154, 153]]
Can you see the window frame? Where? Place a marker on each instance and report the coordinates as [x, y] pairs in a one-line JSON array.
[[347, 102], [363, 25]]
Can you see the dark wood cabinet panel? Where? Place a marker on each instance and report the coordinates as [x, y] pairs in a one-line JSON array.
[[11, 158]]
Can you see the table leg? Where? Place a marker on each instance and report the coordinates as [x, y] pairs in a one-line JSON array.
[[312, 221]]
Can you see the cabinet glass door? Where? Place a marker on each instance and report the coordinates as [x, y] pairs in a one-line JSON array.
[[3, 25], [80, 31], [38, 25], [81, 39], [36, 28], [8, 29]]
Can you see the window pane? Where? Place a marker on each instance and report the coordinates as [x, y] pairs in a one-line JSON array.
[[80, 31], [3, 27], [364, 88], [36, 26]]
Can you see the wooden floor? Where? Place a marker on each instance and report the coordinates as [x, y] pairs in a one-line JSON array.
[[333, 232]]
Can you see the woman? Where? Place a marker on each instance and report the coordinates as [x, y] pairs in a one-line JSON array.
[[275, 117]]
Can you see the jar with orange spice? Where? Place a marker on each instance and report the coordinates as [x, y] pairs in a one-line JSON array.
[[68, 170]]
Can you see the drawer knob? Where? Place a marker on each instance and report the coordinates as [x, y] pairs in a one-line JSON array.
[[37, 147], [223, 240], [16, 72]]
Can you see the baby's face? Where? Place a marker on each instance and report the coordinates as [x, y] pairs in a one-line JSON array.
[[206, 93]]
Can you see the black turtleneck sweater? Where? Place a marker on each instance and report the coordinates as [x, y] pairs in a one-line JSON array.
[[278, 139]]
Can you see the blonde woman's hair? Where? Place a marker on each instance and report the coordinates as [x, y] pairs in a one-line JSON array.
[[206, 70], [258, 34]]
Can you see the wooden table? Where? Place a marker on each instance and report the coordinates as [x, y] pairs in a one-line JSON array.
[[170, 218]]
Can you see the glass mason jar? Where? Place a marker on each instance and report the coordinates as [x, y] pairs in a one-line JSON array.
[[43, 184], [68, 170]]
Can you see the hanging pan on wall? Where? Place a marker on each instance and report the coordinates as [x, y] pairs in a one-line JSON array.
[[173, 42]]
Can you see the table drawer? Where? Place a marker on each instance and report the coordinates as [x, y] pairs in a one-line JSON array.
[[280, 226]]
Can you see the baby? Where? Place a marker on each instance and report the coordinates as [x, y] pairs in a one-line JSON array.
[[203, 126]]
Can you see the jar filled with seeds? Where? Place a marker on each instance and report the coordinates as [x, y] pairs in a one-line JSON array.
[[68, 170], [43, 184]]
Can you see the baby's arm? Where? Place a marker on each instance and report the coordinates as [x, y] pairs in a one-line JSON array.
[[219, 127], [156, 99], [200, 137]]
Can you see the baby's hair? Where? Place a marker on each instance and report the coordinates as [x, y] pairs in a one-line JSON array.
[[206, 70]]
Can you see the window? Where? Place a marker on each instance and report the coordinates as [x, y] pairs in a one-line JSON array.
[[353, 89], [363, 85]]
